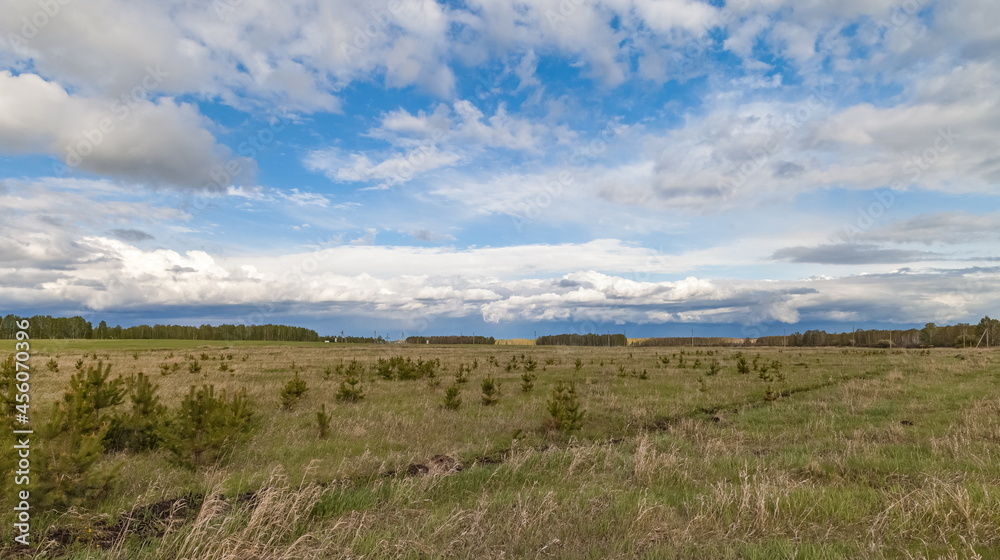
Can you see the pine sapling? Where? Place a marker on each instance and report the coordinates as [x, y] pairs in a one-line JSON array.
[[491, 391], [564, 409], [350, 390], [451, 398], [528, 381], [742, 366], [323, 422], [294, 390]]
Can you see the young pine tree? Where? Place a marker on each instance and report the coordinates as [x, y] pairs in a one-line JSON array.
[[452, 400], [491, 391], [93, 391], [294, 390], [207, 425], [350, 390], [323, 422], [71, 446], [138, 429], [564, 409]]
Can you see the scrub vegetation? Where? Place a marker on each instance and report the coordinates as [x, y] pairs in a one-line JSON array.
[[312, 450]]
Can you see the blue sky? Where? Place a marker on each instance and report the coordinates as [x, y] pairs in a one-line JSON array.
[[653, 167]]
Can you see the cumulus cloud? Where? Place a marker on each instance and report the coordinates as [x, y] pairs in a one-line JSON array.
[[162, 143], [45, 218], [116, 275]]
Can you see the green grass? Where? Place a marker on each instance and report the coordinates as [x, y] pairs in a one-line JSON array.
[[862, 455]]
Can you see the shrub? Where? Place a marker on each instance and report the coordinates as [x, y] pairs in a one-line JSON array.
[[52, 365], [742, 366], [512, 364], [72, 441], [770, 394], [398, 367], [323, 422], [294, 390], [578, 363], [138, 430], [350, 390], [194, 367], [451, 398], [491, 391], [206, 426], [528, 381], [714, 367], [92, 391], [564, 408]]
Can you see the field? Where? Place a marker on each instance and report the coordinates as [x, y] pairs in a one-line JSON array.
[[826, 453]]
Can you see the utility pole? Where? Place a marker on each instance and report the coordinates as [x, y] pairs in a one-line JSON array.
[[692, 338]]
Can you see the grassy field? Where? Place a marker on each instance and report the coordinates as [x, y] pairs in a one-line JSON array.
[[828, 454]]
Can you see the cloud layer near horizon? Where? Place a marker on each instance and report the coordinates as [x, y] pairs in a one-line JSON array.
[[631, 161]]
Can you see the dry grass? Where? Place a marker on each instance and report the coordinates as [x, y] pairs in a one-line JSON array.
[[867, 455]]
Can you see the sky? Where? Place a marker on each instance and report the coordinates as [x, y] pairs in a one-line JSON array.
[[654, 167]]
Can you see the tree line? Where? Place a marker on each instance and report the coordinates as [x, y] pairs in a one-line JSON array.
[[46, 326], [691, 341], [582, 340], [355, 339], [987, 331], [450, 339], [960, 335]]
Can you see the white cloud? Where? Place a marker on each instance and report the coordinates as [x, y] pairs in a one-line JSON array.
[[463, 125], [396, 169], [512, 284], [162, 144]]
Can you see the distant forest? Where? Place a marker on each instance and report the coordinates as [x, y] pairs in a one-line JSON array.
[[45, 326], [985, 333], [690, 341], [450, 340], [582, 340]]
